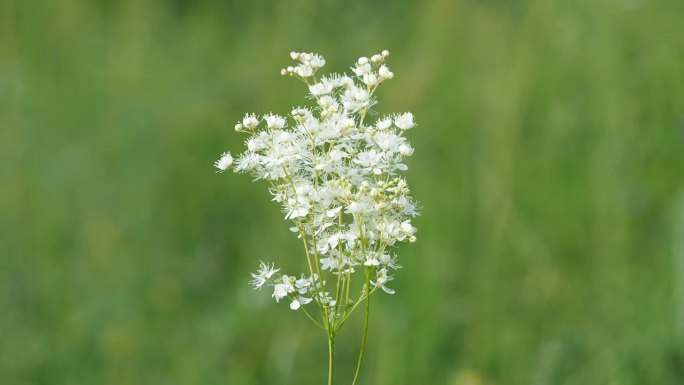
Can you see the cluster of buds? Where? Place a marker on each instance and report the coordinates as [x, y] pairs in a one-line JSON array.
[[373, 71], [308, 64], [248, 123]]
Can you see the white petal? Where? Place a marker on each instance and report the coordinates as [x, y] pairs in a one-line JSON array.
[[333, 212], [387, 290], [295, 304]]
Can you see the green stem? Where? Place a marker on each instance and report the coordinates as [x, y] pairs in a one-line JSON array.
[[365, 327], [312, 319], [331, 358], [351, 310]]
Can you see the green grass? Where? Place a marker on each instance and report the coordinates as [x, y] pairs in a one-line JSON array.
[[549, 161]]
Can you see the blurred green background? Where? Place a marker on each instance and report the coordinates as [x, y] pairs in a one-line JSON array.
[[549, 161]]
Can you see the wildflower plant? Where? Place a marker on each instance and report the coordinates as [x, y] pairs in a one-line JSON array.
[[336, 176]]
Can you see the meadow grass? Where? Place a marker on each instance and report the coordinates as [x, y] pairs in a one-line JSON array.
[[549, 161]]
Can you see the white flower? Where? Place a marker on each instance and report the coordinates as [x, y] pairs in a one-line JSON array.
[[224, 162], [262, 276], [319, 89], [295, 304], [303, 70], [388, 141], [330, 263], [332, 213], [407, 228], [346, 81], [370, 79], [385, 73], [372, 260], [297, 208], [250, 121], [334, 239], [274, 121], [327, 102], [371, 161], [357, 208], [298, 302], [404, 121], [316, 61], [303, 285], [382, 279], [384, 124], [405, 149], [389, 261], [282, 290], [355, 98]]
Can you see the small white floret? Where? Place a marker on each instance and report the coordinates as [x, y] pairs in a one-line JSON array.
[[303, 70], [250, 121], [316, 61], [404, 121], [320, 89], [405, 149], [385, 73], [274, 121], [295, 304], [384, 124], [332, 213], [281, 290], [224, 162]]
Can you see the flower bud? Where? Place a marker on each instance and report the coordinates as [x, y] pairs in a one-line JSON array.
[[405, 149], [385, 73]]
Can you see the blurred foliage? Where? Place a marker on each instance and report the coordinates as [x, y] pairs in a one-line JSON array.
[[549, 160]]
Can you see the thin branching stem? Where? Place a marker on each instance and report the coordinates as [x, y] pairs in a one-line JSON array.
[[365, 328]]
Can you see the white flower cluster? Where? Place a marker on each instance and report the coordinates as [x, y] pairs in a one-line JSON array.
[[337, 178]]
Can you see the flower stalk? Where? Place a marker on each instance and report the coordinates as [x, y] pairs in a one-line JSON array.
[[365, 331], [331, 359]]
